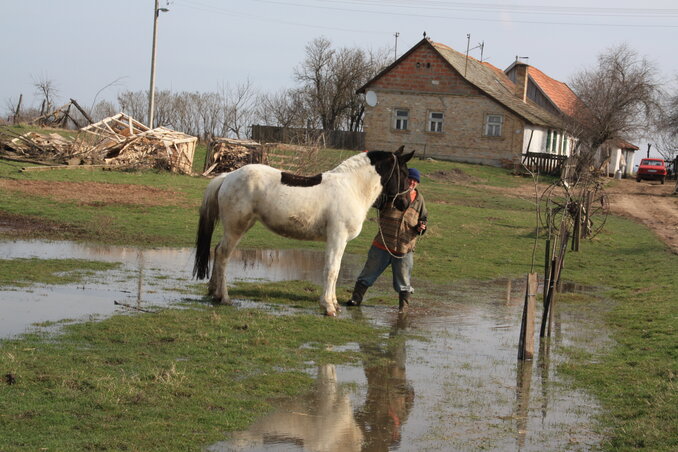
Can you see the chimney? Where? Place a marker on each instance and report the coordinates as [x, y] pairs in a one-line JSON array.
[[520, 71]]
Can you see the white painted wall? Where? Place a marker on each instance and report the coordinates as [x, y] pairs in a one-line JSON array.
[[538, 142]]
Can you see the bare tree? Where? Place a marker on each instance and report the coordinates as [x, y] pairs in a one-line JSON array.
[[239, 108], [45, 88], [666, 131], [134, 104], [329, 80], [210, 112], [103, 109], [373, 63], [620, 96]]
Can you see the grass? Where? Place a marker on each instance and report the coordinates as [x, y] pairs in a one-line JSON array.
[[476, 232], [25, 272]]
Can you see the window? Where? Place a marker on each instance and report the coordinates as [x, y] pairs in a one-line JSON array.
[[435, 121], [400, 119], [493, 125]]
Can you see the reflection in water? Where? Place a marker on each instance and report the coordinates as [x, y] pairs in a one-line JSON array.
[[523, 380], [390, 395], [321, 421], [324, 420]]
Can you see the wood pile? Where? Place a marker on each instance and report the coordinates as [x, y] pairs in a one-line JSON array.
[[118, 140], [228, 154]]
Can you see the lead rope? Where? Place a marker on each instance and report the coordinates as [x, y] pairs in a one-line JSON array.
[[381, 232]]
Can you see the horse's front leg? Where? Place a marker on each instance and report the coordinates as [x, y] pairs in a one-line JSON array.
[[333, 254]]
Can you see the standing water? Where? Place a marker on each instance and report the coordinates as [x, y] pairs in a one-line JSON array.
[[449, 380]]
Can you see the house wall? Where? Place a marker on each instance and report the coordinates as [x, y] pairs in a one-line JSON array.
[[539, 139], [462, 137], [629, 155], [424, 82]]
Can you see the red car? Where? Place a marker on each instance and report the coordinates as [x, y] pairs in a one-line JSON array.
[[651, 169]]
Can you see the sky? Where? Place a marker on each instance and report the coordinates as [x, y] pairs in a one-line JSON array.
[[92, 49]]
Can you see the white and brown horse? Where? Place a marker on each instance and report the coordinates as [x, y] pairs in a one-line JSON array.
[[329, 207]]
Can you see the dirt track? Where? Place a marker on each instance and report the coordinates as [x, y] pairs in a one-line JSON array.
[[650, 203]]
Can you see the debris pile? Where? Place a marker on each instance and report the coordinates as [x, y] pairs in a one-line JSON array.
[[118, 140], [123, 141], [37, 145], [228, 154]]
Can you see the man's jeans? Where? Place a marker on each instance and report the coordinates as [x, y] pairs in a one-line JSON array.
[[378, 260]]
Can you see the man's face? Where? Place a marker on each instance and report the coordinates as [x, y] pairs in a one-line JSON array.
[[413, 183]]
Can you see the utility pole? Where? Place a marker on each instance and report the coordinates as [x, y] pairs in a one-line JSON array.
[[151, 94], [468, 44], [648, 150]]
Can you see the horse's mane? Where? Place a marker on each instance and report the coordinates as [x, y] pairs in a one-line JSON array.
[[356, 162]]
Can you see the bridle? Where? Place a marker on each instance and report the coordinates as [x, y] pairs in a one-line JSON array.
[[381, 232], [393, 169]]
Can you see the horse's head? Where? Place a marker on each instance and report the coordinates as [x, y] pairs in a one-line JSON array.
[[392, 167]]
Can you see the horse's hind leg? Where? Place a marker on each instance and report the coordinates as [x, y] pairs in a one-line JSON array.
[[218, 287]]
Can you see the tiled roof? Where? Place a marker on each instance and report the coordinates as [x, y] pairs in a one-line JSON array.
[[623, 144], [496, 84], [558, 92]]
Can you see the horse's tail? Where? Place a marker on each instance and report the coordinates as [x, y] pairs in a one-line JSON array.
[[209, 214]]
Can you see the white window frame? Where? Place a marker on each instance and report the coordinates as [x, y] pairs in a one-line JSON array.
[[494, 128], [435, 121], [401, 118]]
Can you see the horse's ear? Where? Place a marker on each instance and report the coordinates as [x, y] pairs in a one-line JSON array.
[[400, 150], [406, 158]]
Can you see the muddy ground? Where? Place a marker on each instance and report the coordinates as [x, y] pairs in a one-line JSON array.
[[650, 203]]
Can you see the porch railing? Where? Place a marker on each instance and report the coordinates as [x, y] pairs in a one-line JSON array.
[[544, 163]]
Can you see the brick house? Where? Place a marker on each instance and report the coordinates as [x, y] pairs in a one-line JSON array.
[[447, 106]]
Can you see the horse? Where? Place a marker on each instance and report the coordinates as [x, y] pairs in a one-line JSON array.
[[329, 207]]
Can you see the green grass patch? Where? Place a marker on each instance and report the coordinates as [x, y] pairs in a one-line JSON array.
[[25, 272]]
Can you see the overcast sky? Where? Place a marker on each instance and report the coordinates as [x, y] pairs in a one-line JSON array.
[[84, 45]]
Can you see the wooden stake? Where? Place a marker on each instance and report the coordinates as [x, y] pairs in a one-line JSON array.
[[18, 109], [526, 341]]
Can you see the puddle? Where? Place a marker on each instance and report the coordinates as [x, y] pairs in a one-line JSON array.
[[451, 380], [459, 388], [147, 279]]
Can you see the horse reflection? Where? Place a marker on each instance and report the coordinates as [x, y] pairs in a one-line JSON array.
[[321, 422], [325, 420]]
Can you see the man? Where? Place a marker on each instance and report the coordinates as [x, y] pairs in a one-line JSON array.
[[394, 245]]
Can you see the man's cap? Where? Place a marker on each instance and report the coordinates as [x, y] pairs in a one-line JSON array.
[[413, 173]]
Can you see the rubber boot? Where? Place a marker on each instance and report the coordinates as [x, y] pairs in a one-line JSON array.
[[404, 301], [358, 294]]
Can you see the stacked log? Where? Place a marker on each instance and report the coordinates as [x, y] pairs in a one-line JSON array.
[[228, 154]]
